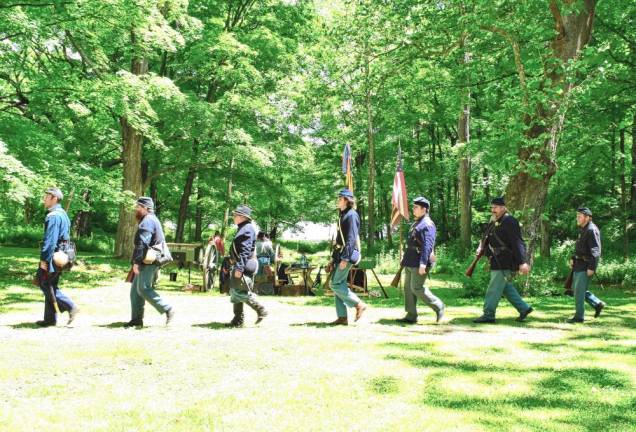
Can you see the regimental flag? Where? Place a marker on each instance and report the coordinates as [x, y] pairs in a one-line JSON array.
[[399, 200], [346, 167]]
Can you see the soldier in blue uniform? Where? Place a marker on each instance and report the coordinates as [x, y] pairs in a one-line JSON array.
[[346, 253], [587, 253], [244, 265], [417, 262], [506, 252], [56, 232], [149, 233]]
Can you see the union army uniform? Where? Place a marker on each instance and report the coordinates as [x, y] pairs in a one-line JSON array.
[[56, 233], [347, 249], [506, 251], [587, 253], [243, 258], [419, 251], [149, 233]]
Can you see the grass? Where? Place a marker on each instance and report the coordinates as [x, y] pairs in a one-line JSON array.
[[293, 373]]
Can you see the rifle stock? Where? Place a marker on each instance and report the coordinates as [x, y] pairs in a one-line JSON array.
[[568, 284], [471, 268], [397, 277]]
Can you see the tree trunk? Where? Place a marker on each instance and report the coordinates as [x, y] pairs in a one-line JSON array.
[[82, 220], [387, 210], [633, 193], [371, 185], [624, 193], [228, 199], [465, 184], [132, 182], [198, 218], [185, 196], [545, 238], [527, 191]]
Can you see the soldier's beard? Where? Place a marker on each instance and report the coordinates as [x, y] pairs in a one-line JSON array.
[[139, 216]]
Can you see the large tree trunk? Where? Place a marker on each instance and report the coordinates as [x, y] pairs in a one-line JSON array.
[[185, 196], [527, 190], [132, 182]]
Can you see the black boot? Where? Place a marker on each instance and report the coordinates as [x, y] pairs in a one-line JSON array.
[[237, 321], [259, 308], [137, 322]]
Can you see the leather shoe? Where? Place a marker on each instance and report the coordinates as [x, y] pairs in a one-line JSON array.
[[45, 323], [169, 316], [72, 314], [439, 315], [484, 320], [341, 321], [575, 320], [134, 323], [360, 308], [599, 307], [406, 320], [522, 316]]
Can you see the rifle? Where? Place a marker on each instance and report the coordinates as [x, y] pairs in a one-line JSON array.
[[43, 275], [130, 276], [482, 244], [568, 284], [397, 277]]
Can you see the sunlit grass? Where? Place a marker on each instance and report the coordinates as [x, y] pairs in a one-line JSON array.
[[292, 373]]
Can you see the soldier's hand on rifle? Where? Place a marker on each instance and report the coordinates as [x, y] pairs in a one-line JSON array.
[[422, 270], [238, 274], [44, 265], [571, 263], [524, 269], [590, 273], [343, 264], [135, 269], [478, 251]]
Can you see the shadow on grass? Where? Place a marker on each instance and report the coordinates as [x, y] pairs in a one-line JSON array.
[[26, 325], [315, 324], [214, 325], [575, 390], [119, 324]]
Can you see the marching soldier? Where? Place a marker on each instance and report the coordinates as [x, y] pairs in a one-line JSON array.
[[506, 252], [417, 262], [345, 255], [149, 233], [244, 265], [56, 233], [587, 253]]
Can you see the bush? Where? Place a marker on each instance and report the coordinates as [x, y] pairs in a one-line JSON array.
[[305, 247], [31, 237]]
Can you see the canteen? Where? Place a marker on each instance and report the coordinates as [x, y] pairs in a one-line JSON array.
[[60, 259]]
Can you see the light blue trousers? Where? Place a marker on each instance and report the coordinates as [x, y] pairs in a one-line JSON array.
[[581, 283], [344, 296], [414, 289], [141, 292], [500, 285]]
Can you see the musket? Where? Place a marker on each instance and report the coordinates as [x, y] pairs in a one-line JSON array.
[[482, 250], [568, 284], [396, 279]]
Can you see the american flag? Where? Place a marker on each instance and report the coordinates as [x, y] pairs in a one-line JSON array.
[[399, 200], [346, 167]]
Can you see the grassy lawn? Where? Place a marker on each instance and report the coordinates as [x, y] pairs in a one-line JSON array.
[[294, 374]]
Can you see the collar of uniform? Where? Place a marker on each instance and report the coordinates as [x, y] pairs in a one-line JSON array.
[[242, 224], [55, 207], [498, 221]]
